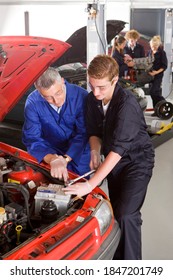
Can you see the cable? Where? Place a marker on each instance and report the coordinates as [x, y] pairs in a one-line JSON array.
[[102, 43]]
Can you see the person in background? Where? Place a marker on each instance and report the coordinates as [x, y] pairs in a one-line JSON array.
[[124, 62], [160, 64], [54, 130], [133, 48], [117, 129]]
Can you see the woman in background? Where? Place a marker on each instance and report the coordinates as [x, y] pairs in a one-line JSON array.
[[124, 62], [159, 66]]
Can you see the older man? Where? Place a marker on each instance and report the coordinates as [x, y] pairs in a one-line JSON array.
[[54, 128]]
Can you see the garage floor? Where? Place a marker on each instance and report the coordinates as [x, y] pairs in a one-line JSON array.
[[157, 211]]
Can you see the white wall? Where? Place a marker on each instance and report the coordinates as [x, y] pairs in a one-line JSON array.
[[59, 19], [55, 21]]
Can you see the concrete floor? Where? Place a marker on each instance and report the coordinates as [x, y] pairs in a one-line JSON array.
[[157, 211]]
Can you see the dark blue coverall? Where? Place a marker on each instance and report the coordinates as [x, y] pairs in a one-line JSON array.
[[160, 61], [123, 131], [137, 52], [120, 60], [46, 131]]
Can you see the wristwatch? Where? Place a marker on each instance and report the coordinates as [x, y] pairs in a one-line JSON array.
[[67, 158]]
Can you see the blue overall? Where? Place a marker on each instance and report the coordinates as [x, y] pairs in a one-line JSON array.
[[46, 131]]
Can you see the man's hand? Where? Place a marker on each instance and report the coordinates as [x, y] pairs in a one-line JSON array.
[[127, 58], [59, 168], [79, 189], [95, 159]]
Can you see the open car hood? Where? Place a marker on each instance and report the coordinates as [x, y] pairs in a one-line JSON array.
[[77, 53], [22, 60]]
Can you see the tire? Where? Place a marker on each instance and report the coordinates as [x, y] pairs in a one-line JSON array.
[[164, 110]]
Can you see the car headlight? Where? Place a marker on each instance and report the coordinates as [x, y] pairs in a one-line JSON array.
[[103, 213]]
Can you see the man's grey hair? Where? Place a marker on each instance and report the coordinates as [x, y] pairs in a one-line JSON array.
[[48, 78]]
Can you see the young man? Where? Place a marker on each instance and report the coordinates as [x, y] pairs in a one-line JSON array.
[[133, 48], [117, 128], [54, 130]]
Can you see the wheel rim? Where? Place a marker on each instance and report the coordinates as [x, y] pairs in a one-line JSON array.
[[164, 110]]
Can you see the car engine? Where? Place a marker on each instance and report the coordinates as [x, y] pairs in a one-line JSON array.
[[30, 200]]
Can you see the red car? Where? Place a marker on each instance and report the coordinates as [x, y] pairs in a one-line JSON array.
[[37, 220]]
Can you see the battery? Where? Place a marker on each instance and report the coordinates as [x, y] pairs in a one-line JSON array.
[[52, 192]]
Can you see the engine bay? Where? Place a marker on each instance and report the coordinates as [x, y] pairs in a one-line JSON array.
[[30, 201]]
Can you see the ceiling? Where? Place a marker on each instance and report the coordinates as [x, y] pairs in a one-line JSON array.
[[132, 2]]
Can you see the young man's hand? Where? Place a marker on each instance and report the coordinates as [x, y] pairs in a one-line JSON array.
[[79, 189]]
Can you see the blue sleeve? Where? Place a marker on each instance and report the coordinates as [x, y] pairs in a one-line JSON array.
[[32, 135], [127, 128]]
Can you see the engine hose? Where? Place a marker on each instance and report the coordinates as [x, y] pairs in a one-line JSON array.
[[25, 194]]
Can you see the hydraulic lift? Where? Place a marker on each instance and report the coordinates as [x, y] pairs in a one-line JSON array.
[[96, 30]]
